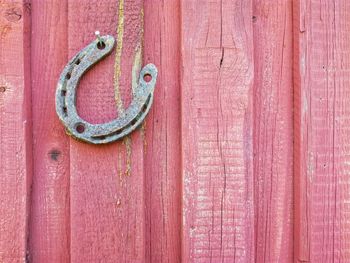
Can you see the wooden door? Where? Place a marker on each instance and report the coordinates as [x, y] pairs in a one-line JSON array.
[[243, 157]]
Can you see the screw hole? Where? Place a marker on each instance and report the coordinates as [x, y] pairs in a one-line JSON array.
[[101, 45], [2, 89], [80, 128], [77, 62], [147, 77], [68, 76]]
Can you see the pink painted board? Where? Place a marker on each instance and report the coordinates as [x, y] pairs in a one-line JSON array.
[[162, 133], [250, 109], [217, 126], [107, 190], [15, 130], [50, 220], [273, 130], [322, 107]]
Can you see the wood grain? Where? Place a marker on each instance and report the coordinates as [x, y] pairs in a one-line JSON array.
[[107, 182], [322, 63], [15, 129], [50, 220], [273, 130], [217, 125], [162, 132], [209, 177]]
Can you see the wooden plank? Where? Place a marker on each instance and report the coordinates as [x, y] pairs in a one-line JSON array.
[[273, 130], [107, 182], [49, 227], [15, 129], [217, 156], [162, 134], [322, 152]]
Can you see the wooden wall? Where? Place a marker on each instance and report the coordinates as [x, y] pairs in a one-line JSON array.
[[244, 156]]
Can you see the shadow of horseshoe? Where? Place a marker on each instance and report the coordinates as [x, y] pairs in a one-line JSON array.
[[66, 95]]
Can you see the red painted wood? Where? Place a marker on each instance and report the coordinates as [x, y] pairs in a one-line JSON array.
[[301, 231], [209, 177], [49, 227], [217, 125], [162, 134], [273, 130], [322, 107], [107, 182], [15, 129]]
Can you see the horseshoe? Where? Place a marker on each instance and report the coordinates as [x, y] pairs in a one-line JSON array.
[[66, 97]]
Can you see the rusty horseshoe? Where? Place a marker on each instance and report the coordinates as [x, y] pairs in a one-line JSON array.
[[66, 95]]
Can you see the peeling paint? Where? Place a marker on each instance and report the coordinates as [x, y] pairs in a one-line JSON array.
[[127, 143], [13, 14], [4, 30], [120, 171], [136, 66], [117, 94], [135, 71], [118, 55]]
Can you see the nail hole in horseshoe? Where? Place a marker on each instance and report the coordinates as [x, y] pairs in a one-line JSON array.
[[77, 62], [65, 110], [80, 128], [144, 108], [68, 75], [102, 137], [63, 92], [101, 45], [118, 132], [147, 77]]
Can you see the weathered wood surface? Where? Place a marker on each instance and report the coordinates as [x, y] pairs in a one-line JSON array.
[[273, 130], [322, 153], [209, 177], [217, 142], [162, 133], [107, 190], [49, 225], [15, 129]]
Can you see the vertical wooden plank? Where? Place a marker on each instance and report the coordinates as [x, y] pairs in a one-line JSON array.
[[162, 134], [107, 182], [273, 130], [217, 156], [322, 152], [49, 227], [15, 129]]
